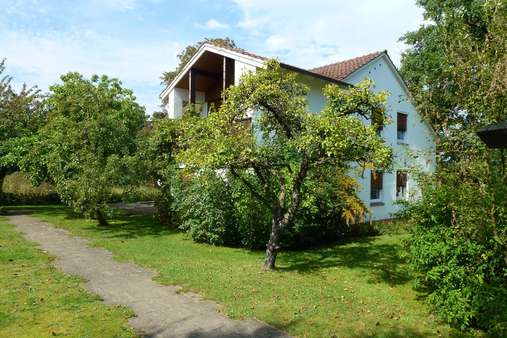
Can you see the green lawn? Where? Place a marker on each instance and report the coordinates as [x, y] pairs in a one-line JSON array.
[[356, 289], [37, 300]]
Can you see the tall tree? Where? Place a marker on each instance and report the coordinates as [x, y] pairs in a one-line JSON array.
[[20, 117], [455, 67], [190, 50], [90, 139], [288, 143]]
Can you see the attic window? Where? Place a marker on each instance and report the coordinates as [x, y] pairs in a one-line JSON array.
[[401, 126]]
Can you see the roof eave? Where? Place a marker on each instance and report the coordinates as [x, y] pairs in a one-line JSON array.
[[316, 75]]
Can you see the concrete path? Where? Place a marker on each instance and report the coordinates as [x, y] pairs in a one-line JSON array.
[[161, 311]]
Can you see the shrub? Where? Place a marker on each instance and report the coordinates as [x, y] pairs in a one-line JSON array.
[[330, 210], [18, 190], [204, 203], [458, 250], [220, 210]]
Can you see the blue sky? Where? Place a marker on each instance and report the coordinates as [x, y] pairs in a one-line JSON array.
[[136, 40]]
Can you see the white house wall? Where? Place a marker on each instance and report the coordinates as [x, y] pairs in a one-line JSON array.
[[241, 68], [419, 147], [175, 100], [316, 100]]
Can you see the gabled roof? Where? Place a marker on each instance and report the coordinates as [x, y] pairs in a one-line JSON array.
[[340, 70], [247, 57], [285, 65]]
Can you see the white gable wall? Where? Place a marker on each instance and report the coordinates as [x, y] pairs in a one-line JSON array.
[[419, 147], [175, 99]]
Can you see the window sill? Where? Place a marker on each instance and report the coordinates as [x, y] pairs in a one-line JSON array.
[[376, 204], [402, 142]]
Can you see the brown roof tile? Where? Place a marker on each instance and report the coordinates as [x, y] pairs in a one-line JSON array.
[[340, 70]]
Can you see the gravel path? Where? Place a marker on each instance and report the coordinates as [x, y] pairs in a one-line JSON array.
[[161, 311]]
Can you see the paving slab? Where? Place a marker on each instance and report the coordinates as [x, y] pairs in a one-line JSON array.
[[161, 310]]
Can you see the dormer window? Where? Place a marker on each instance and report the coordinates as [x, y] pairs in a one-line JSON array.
[[402, 127]]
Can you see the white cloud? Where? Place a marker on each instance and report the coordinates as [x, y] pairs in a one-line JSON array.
[[212, 24], [311, 33], [119, 4], [40, 59]]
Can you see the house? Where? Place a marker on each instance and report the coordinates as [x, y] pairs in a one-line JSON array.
[[212, 69]]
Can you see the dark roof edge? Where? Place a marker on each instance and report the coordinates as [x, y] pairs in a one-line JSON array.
[[312, 74]]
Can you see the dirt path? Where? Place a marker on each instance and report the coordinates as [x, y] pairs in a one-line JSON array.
[[161, 311]]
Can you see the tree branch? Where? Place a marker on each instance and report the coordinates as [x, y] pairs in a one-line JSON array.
[[251, 188]]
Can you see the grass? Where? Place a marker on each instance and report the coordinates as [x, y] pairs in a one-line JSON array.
[[357, 289], [37, 300]]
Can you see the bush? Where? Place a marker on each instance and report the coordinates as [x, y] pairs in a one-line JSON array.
[[330, 211], [205, 206], [18, 190], [216, 209], [220, 210], [458, 250]]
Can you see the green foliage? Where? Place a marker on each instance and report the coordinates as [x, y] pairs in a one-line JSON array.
[[20, 117], [89, 140], [328, 210], [18, 190], [190, 51], [455, 67], [155, 162], [287, 143], [459, 251], [217, 209], [207, 210]]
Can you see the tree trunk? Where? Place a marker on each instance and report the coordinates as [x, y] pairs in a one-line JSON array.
[[100, 218], [273, 244], [282, 221]]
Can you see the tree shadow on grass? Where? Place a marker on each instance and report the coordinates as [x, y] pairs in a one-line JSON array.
[[127, 226], [383, 262]]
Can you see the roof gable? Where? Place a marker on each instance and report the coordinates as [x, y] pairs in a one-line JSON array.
[[341, 70], [243, 56]]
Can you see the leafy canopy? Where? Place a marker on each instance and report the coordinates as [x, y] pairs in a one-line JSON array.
[[456, 67], [20, 118], [89, 139]]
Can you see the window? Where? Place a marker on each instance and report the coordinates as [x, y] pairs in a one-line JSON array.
[[376, 185], [401, 184], [402, 126]]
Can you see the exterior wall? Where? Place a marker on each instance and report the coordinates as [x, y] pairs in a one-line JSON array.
[[316, 100], [177, 96], [241, 68], [418, 149]]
